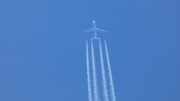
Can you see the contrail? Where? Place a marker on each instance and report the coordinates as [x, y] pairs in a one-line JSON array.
[[103, 73], [113, 97], [88, 73], [96, 97]]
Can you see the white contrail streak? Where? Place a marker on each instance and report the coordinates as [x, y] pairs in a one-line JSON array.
[[96, 97], [113, 97], [88, 73], [103, 73]]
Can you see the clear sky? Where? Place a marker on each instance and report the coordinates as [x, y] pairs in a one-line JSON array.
[[42, 48]]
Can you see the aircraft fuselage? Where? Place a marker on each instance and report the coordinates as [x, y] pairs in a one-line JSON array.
[[94, 29]]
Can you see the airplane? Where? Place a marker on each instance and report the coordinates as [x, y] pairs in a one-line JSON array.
[[94, 29]]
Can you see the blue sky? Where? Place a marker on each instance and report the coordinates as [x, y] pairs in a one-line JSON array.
[[42, 54]]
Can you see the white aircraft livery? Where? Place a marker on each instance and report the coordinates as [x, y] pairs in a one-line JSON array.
[[94, 29]]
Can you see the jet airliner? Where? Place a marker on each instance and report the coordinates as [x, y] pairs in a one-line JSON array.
[[94, 29]]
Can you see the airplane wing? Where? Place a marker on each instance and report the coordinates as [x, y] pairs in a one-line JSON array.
[[88, 30], [101, 30]]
